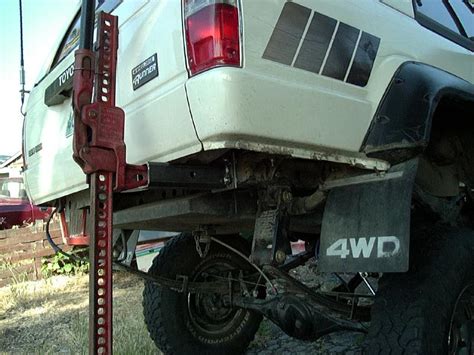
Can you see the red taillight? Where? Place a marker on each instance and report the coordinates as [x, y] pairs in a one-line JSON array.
[[212, 34]]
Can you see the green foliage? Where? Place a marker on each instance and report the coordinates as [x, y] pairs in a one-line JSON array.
[[60, 264]]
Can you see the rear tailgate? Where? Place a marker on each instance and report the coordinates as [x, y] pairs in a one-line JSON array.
[[158, 123]]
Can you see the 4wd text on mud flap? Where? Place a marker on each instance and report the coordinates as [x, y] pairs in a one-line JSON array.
[[386, 247]]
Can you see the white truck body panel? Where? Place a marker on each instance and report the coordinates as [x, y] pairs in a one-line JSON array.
[[263, 106], [287, 110]]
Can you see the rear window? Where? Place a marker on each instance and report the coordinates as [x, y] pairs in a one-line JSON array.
[[437, 11], [71, 39], [452, 19], [12, 188], [465, 12]]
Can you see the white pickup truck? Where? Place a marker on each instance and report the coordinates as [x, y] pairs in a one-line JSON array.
[[346, 124]]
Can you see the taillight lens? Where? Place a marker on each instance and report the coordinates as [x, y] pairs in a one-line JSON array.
[[212, 34]]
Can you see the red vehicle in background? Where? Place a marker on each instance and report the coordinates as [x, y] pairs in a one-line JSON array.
[[15, 207]]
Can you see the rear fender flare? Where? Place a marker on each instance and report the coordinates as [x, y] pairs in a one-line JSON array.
[[404, 116]]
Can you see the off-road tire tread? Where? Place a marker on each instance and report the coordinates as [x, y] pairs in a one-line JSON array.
[[152, 299], [410, 315]]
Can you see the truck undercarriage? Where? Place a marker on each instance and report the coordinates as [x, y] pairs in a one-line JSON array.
[[251, 207]]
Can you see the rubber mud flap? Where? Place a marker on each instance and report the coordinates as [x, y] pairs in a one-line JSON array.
[[366, 223]]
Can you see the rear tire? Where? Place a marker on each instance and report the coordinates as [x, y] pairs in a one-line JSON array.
[[430, 309], [196, 323]]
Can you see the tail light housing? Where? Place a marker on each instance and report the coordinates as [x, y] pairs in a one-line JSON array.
[[213, 36]]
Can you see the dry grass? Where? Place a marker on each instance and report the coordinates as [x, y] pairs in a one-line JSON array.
[[51, 316]]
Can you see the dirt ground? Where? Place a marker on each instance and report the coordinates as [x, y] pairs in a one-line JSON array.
[[51, 316]]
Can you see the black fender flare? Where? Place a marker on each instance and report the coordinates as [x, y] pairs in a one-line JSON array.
[[404, 117]]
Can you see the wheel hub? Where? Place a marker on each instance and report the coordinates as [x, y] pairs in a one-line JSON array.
[[213, 306], [212, 314]]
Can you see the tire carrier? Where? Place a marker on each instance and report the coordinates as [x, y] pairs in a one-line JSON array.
[[99, 149]]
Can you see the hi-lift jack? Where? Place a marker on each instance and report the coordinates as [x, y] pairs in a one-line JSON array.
[[99, 149]]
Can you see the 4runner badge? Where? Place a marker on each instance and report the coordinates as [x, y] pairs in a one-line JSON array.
[[145, 71]]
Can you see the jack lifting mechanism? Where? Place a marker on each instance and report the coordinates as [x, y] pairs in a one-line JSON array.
[[99, 149]]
